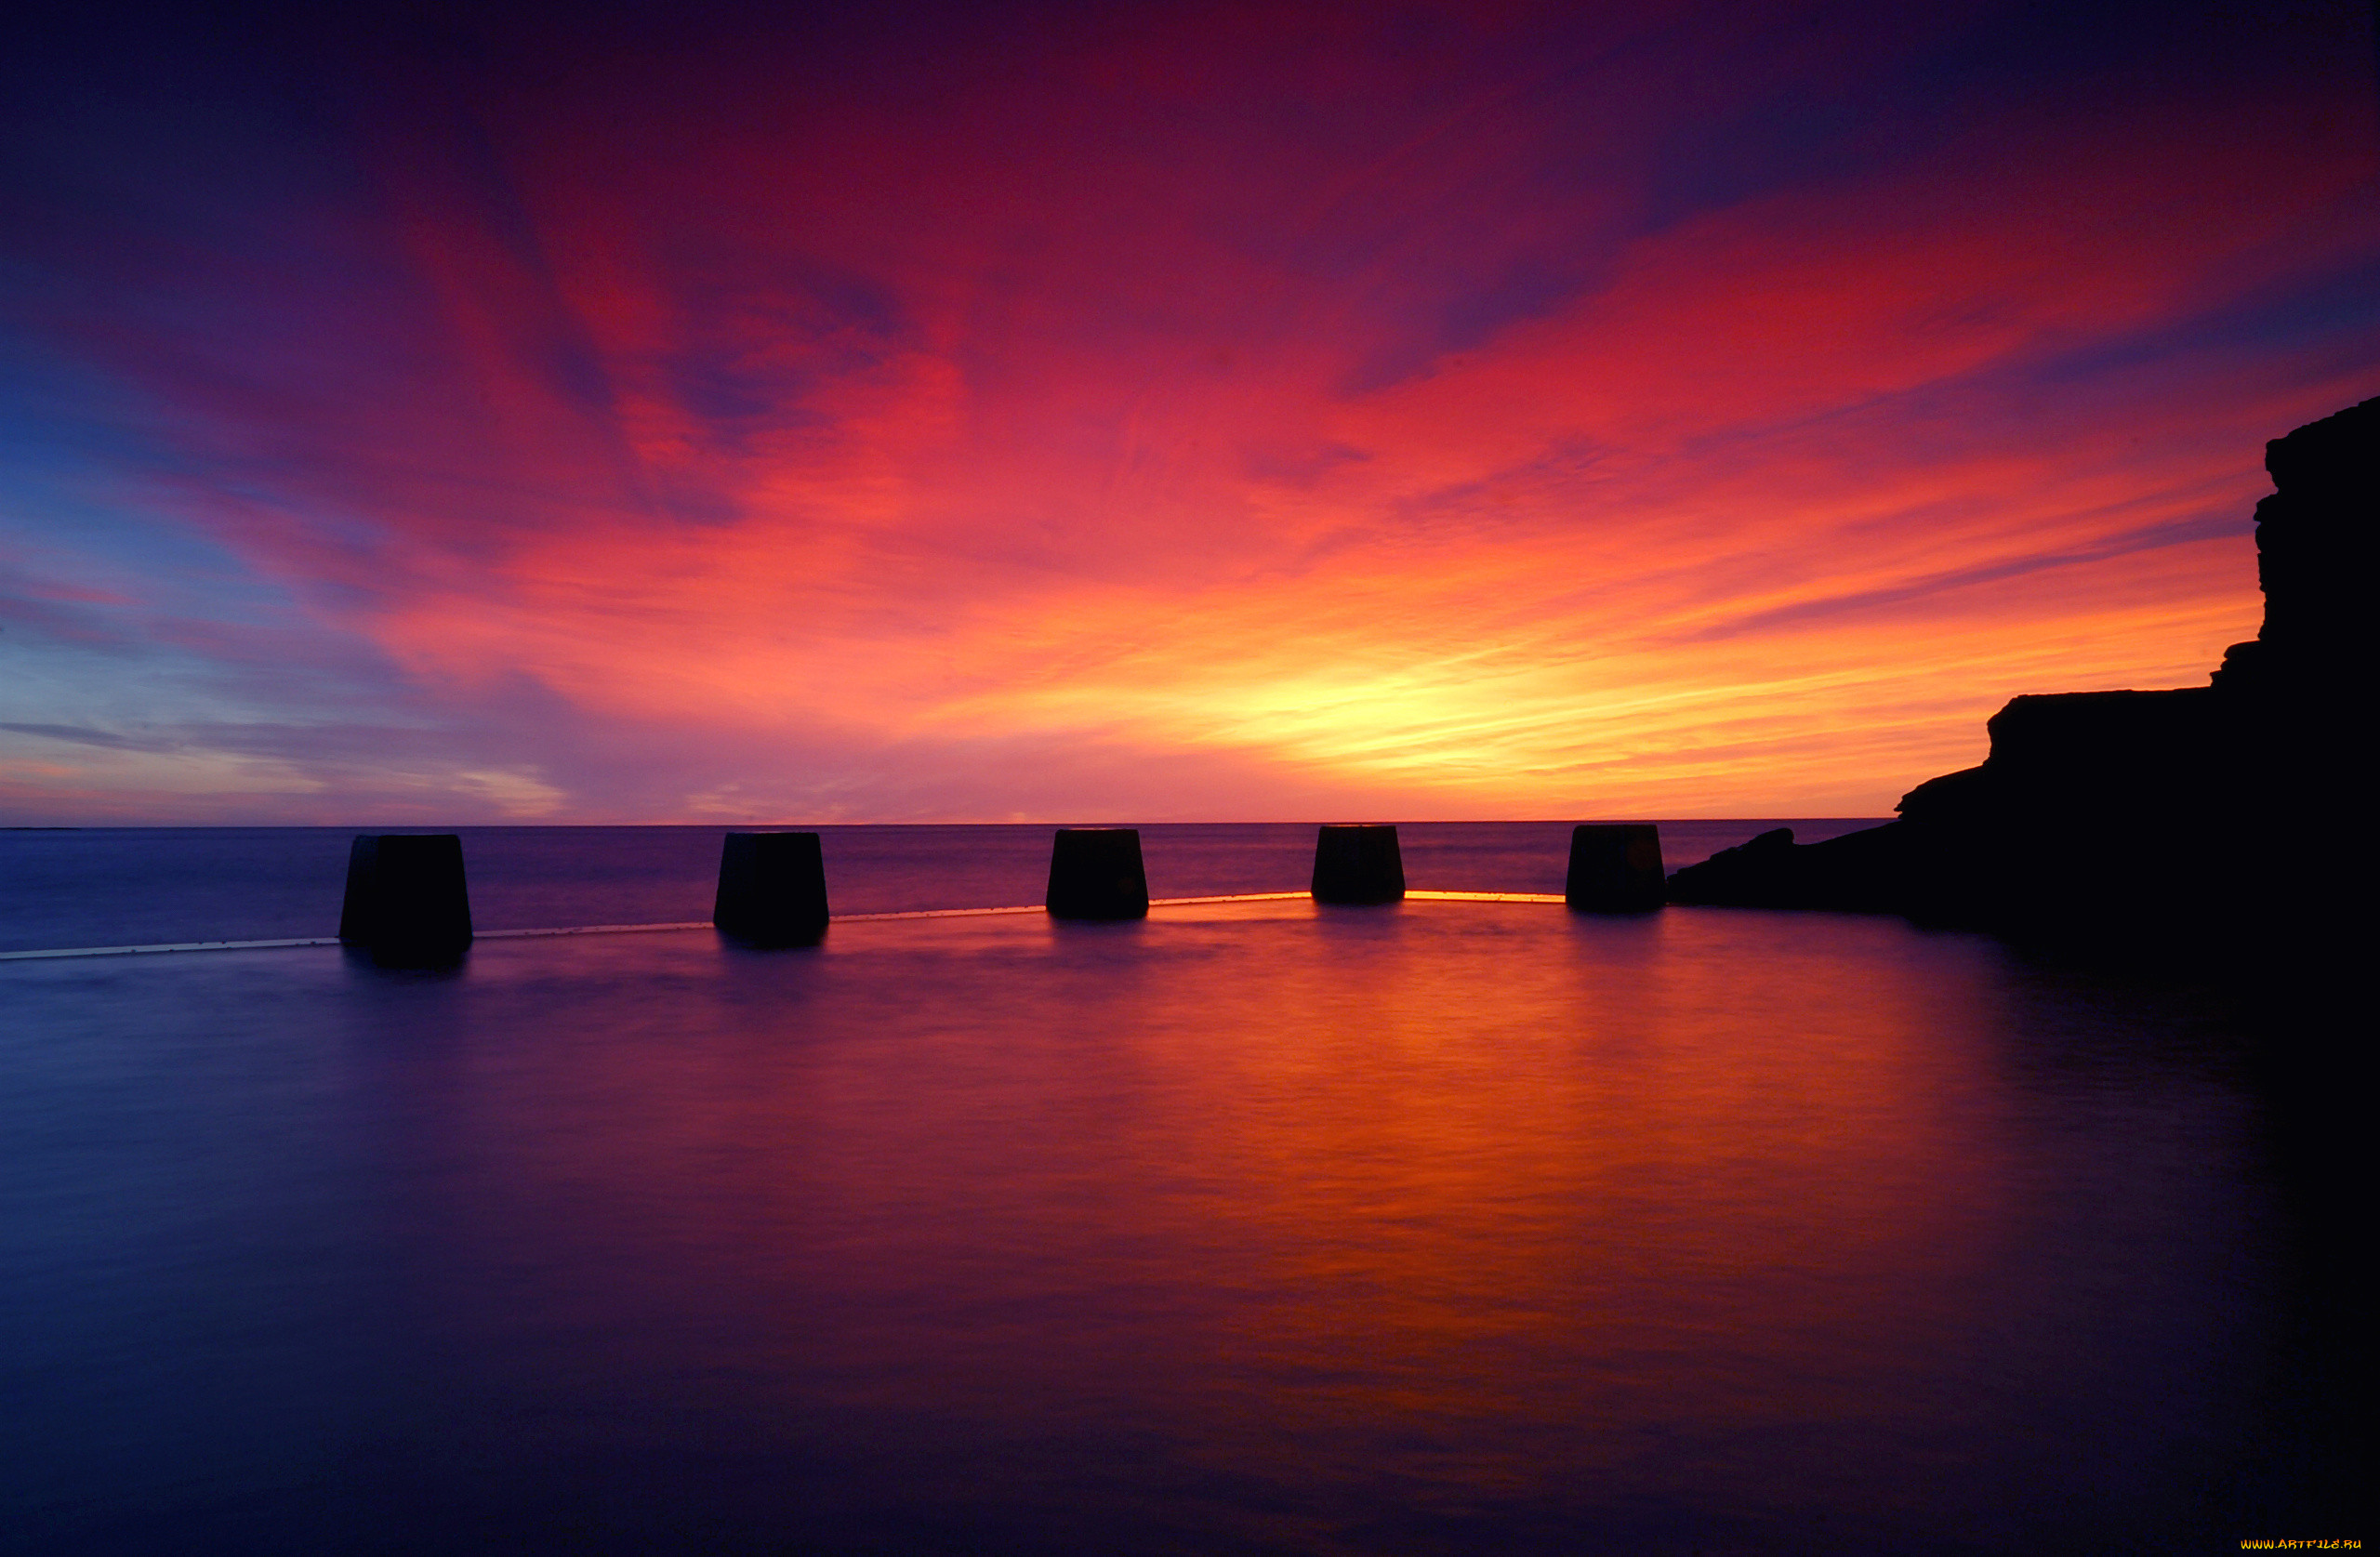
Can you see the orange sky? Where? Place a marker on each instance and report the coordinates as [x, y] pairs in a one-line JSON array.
[[1167, 413]]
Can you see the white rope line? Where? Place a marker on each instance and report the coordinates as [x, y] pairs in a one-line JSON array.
[[705, 924], [173, 946]]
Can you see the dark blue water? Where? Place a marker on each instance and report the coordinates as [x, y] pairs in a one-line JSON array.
[[143, 886], [1253, 1228]]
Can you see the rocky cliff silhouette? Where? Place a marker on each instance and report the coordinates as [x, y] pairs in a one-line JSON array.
[[2110, 814]]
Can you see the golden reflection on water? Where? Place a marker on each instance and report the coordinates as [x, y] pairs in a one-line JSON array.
[[1259, 1210]]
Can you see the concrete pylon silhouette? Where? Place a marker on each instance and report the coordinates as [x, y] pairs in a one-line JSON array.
[[406, 903], [1095, 873], [772, 890], [1357, 864], [1615, 867]]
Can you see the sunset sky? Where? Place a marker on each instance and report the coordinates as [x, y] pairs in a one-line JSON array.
[[1139, 413]]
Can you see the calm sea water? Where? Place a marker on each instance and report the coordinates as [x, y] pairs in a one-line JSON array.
[[1253, 1228]]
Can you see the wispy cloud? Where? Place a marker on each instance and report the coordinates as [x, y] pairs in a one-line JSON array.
[[82, 737]]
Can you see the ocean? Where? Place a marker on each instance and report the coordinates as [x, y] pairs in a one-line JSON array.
[[1255, 1227]]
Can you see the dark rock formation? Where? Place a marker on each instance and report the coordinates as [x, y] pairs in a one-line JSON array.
[[2116, 814], [1860, 871], [2313, 556]]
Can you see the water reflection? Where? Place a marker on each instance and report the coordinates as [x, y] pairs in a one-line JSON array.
[[1260, 1227]]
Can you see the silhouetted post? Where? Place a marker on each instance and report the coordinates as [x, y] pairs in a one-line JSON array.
[[406, 901], [772, 890], [1357, 864], [1095, 874], [1615, 867]]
